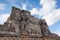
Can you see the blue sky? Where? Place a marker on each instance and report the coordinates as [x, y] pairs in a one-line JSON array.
[[45, 9]]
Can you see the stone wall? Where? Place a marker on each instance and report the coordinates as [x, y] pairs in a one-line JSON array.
[[18, 38], [21, 23], [24, 38]]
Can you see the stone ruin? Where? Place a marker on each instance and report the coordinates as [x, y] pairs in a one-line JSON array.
[[21, 25]]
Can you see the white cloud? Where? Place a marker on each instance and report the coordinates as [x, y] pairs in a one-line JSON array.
[[3, 18], [2, 6], [10, 1], [24, 6], [34, 11], [53, 17], [48, 11]]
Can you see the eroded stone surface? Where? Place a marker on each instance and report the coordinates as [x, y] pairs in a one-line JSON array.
[[21, 25]]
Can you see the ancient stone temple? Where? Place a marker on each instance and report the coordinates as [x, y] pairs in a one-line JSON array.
[[21, 25]]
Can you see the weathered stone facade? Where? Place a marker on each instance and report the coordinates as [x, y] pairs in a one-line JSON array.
[[21, 25]]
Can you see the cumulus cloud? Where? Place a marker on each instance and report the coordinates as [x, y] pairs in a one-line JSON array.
[[3, 18], [2, 6], [48, 11]]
